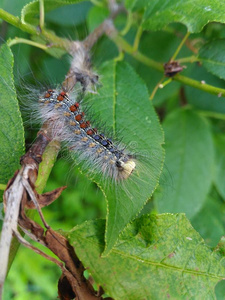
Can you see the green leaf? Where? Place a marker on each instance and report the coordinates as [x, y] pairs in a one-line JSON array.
[[30, 12], [70, 15], [219, 173], [11, 126], [195, 14], [189, 162], [13, 7], [209, 222], [123, 105], [156, 257], [96, 16], [136, 5], [212, 57]]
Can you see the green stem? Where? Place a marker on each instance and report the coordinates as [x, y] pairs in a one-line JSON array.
[[49, 36], [212, 114], [180, 46], [42, 14], [125, 46], [200, 85], [189, 59], [165, 83], [128, 24], [156, 88], [25, 41], [137, 38]]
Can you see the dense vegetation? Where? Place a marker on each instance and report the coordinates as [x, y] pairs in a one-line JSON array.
[[166, 241]]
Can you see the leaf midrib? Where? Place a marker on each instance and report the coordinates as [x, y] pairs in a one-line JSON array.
[[157, 264]]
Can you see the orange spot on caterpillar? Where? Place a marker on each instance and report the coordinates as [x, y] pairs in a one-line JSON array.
[[83, 125], [73, 108], [90, 132], [61, 96], [77, 104], [49, 93], [78, 117]]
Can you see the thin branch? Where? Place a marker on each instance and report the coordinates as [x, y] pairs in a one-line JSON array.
[[189, 59], [25, 41], [42, 14], [180, 46], [33, 30], [33, 198], [137, 38], [125, 46], [15, 192], [156, 88], [38, 251]]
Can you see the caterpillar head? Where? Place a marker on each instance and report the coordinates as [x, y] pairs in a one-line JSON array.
[[125, 168]]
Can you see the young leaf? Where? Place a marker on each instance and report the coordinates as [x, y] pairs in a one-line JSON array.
[[189, 162], [123, 105], [195, 14], [156, 257], [11, 126], [212, 57]]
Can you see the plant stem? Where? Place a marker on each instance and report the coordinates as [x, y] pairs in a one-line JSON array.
[[127, 27], [156, 88], [125, 46], [212, 114], [137, 38], [180, 46], [189, 59], [47, 35], [199, 85], [42, 14], [25, 41]]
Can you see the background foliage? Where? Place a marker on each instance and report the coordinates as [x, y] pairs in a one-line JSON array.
[[192, 180]]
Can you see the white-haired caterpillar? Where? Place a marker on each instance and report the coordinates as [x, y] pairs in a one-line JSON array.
[[71, 126], [127, 172]]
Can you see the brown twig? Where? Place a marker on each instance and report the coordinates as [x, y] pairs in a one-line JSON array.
[[15, 192]]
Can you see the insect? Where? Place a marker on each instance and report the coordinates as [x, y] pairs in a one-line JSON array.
[[92, 146]]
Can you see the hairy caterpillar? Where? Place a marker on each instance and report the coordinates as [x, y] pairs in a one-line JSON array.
[[71, 126], [127, 172]]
